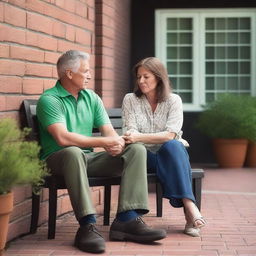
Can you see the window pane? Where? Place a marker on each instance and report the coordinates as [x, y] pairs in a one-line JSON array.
[[233, 83], [220, 38], [172, 38], [232, 23], [185, 38], [244, 23], [185, 24], [245, 83], [172, 52], [220, 83], [209, 83], [185, 52], [245, 52], [185, 83], [172, 67], [185, 68], [209, 38], [172, 24], [220, 23], [209, 52], [209, 67], [174, 82], [245, 38], [220, 52], [232, 38], [186, 97], [244, 67], [232, 67], [232, 52], [220, 67], [209, 23]]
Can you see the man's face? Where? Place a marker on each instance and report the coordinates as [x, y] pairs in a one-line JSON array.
[[80, 79]]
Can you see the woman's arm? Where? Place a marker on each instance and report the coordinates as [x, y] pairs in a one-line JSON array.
[[148, 138]]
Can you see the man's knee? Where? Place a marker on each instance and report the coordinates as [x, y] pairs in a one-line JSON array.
[[137, 148], [72, 152]]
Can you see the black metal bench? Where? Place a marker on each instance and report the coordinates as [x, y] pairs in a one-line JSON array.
[[53, 182]]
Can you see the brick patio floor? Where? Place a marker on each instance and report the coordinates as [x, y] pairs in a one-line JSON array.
[[228, 204]]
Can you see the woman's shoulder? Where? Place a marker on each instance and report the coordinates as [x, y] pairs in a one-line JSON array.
[[173, 97], [130, 97]]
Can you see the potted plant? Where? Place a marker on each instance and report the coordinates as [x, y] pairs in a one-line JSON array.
[[230, 121], [19, 164], [250, 159]]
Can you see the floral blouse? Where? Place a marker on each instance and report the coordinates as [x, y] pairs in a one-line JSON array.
[[138, 117]]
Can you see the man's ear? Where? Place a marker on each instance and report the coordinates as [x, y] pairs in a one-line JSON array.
[[69, 73]]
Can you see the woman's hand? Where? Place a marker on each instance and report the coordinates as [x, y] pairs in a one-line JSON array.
[[130, 138]]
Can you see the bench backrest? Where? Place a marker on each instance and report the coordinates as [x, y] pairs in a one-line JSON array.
[[28, 110]]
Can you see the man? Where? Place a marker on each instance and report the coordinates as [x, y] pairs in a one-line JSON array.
[[67, 114]]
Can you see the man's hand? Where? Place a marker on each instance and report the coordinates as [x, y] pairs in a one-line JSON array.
[[114, 145]]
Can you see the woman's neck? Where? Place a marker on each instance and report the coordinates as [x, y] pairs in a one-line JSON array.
[[151, 98]]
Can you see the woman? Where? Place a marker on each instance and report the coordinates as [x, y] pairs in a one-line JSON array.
[[153, 115]]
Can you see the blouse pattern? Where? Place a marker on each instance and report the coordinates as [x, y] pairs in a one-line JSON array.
[[138, 117]]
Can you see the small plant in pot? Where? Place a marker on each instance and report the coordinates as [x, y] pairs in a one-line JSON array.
[[19, 164], [230, 122], [250, 159]]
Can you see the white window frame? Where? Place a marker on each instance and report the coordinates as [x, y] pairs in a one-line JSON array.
[[198, 16]]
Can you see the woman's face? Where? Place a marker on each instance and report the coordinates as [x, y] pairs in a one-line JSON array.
[[146, 80]]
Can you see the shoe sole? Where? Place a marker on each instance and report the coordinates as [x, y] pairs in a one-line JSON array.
[[91, 250], [121, 236], [192, 232]]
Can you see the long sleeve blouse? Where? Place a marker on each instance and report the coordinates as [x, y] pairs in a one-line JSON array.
[[138, 117]]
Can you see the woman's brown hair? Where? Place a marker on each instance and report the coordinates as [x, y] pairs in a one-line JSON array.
[[155, 66]]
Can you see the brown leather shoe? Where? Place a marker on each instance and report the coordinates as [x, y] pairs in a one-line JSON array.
[[135, 230], [88, 239]]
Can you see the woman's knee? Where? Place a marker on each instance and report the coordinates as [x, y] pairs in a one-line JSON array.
[[172, 145], [174, 148]]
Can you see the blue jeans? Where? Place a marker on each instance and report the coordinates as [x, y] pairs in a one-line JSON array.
[[171, 164]]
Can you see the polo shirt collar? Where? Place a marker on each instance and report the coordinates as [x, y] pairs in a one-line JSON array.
[[62, 92]]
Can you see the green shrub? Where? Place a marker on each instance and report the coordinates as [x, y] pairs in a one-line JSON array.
[[229, 117], [19, 162]]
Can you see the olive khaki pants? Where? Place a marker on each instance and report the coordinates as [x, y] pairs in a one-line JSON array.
[[76, 166]]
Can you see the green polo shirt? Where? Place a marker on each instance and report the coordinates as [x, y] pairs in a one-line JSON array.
[[57, 105]]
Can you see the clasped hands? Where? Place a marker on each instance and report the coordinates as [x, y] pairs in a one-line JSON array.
[[116, 145]]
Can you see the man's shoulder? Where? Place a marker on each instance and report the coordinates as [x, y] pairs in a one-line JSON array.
[[49, 97]]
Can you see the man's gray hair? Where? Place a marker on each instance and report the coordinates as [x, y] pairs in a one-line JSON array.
[[70, 60]]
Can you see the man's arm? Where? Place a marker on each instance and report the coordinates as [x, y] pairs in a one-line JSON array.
[[107, 130], [65, 138], [113, 143]]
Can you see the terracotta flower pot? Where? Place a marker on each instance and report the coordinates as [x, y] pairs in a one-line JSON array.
[[6, 206], [250, 160], [230, 153]]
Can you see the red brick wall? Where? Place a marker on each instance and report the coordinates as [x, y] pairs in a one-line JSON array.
[[33, 34], [112, 50]]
